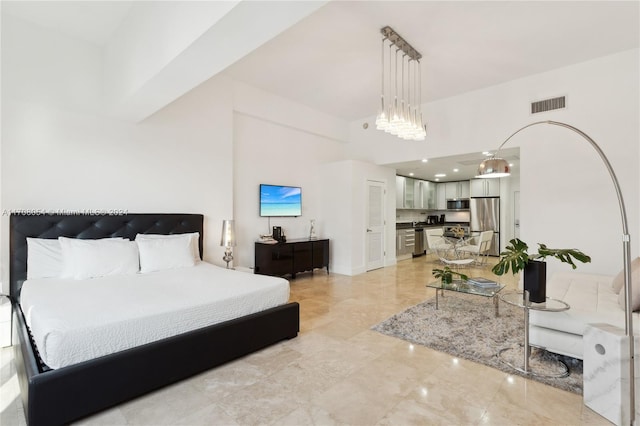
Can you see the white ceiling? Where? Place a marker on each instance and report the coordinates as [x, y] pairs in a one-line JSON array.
[[92, 21], [457, 167], [330, 61]]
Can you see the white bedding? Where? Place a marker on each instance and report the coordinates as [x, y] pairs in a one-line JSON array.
[[77, 320]]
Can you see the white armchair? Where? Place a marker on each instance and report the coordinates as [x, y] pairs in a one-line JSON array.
[[479, 248]]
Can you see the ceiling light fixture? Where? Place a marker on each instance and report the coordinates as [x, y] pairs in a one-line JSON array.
[[440, 175], [401, 118]]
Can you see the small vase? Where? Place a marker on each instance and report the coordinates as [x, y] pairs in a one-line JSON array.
[[312, 230], [535, 281]]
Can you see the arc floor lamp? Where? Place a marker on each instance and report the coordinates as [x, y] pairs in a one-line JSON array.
[[495, 166]]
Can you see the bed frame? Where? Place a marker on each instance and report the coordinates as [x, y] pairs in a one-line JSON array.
[[58, 396]]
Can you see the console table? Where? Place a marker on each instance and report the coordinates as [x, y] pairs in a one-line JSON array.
[[291, 257]]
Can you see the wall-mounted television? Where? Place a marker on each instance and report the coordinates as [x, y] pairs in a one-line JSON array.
[[280, 200]]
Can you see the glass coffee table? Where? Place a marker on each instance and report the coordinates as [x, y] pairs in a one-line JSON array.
[[460, 286]]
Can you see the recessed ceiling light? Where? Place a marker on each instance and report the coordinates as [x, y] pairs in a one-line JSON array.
[[486, 153], [440, 175], [424, 160], [455, 170], [437, 179], [510, 164], [410, 174]]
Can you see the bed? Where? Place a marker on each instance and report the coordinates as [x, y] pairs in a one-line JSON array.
[[60, 395]]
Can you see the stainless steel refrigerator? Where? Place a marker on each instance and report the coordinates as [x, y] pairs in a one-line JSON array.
[[485, 216]]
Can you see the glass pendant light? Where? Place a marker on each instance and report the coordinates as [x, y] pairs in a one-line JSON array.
[[381, 120], [394, 126], [402, 116]]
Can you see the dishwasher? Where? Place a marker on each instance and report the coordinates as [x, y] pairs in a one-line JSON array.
[[418, 248]]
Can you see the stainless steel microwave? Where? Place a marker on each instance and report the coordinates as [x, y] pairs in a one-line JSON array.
[[458, 204]]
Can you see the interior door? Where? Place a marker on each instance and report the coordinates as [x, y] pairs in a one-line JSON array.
[[375, 225]]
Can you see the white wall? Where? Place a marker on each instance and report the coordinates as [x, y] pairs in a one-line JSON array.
[[195, 155], [344, 203], [59, 152], [567, 199], [272, 153]]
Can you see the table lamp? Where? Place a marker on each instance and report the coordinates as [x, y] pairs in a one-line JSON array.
[[228, 240]]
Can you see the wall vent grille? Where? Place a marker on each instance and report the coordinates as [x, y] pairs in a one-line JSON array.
[[548, 104]]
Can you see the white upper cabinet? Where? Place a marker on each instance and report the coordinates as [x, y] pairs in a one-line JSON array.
[[441, 194], [415, 194], [400, 192], [457, 189], [485, 187], [427, 195], [405, 192], [409, 193]]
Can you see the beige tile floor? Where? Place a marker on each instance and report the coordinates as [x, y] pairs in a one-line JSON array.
[[338, 371]]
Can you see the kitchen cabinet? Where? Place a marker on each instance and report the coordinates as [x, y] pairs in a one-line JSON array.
[[408, 193], [405, 192], [400, 192], [485, 187], [441, 195], [458, 189], [429, 193], [425, 194], [405, 242], [415, 194]]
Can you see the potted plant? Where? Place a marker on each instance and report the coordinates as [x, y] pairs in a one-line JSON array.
[[517, 258], [446, 275]]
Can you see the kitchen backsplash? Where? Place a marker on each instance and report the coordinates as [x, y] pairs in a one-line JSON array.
[[417, 216]]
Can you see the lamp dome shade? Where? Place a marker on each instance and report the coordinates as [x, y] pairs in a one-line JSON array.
[[493, 168]]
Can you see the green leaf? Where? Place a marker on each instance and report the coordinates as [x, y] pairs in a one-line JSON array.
[[563, 255], [514, 257]]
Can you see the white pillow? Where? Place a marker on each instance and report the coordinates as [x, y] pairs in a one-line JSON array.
[[157, 254], [98, 258], [194, 238], [44, 258]]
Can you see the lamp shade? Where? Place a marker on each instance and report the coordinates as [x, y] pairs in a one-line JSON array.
[[493, 168], [228, 238]]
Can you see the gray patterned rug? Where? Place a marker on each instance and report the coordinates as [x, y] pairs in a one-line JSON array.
[[465, 326]]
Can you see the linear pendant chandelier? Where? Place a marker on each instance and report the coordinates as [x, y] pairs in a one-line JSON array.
[[402, 115]]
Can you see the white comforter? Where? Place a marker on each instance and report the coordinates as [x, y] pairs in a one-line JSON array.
[[77, 320]]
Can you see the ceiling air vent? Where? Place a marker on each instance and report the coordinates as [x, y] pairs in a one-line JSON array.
[[548, 104]]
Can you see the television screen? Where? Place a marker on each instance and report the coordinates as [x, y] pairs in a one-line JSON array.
[[279, 200]]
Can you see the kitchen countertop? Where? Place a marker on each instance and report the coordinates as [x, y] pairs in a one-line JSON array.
[[423, 225]]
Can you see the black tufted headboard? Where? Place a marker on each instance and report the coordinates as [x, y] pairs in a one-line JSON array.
[[86, 227]]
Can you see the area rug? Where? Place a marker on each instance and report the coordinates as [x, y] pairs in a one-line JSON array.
[[465, 326]]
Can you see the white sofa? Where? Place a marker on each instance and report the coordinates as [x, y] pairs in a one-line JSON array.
[[592, 298]]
